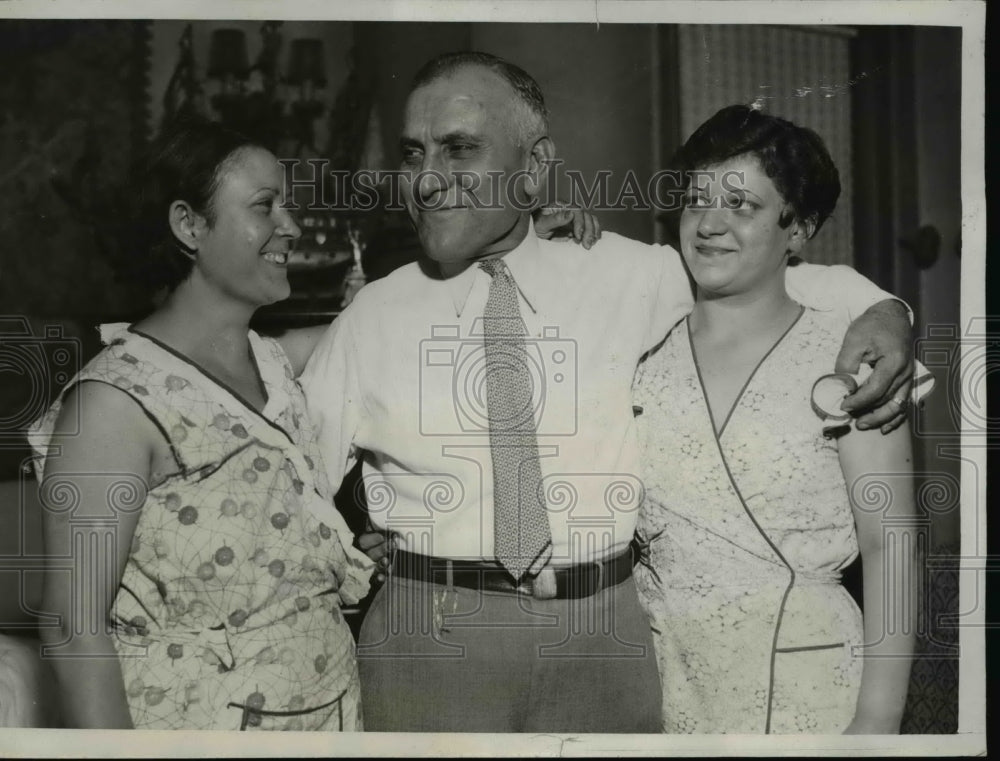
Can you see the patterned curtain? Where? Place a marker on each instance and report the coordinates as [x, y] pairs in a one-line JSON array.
[[932, 700], [73, 115]]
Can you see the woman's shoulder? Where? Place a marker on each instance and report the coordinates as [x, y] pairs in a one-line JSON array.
[[97, 405], [95, 413], [674, 338], [665, 360], [823, 327], [124, 362], [111, 389]]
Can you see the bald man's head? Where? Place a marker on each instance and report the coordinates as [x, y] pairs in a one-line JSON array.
[[527, 117]]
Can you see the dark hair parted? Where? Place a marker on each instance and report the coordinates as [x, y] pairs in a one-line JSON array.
[[795, 158], [184, 163], [532, 123]]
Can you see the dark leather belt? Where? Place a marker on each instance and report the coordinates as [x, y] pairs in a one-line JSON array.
[[572, 582]]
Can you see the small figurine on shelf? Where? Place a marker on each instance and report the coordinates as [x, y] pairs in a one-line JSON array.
[[355, 279]]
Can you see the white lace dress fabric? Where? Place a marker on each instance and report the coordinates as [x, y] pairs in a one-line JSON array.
[[748, 533]]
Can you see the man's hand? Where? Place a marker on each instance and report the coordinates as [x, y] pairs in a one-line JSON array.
[[881, 337], [377, 545], [564, 222]]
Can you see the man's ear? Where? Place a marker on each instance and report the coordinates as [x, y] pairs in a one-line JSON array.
[[186, 225], [540, 163]]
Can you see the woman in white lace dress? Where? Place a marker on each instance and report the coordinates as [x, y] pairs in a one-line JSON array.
[[752, 511]]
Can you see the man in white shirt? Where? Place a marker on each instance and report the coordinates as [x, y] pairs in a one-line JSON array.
[[455, 640]]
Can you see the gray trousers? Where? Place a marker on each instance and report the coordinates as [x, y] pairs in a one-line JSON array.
[[434, 658]]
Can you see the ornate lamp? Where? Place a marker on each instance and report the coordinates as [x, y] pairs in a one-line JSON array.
[[227, 56], [307, 71], [228, 64]]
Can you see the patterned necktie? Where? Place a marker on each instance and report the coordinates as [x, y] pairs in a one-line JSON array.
[[522, 535]]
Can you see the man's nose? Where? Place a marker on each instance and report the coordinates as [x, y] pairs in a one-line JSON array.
[[431, 178]]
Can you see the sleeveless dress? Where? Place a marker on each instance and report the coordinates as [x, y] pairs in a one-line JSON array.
[[746, 534], [228, 612]]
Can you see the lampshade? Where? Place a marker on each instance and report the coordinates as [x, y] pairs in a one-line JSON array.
[[227, 56], [305, 63]]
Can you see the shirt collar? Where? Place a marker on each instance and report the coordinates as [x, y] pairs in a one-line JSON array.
[[525, 265]]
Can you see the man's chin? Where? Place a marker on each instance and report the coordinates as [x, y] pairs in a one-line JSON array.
[[444, 251]]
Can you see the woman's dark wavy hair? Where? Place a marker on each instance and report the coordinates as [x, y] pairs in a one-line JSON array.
[[184, 163], [795, 158]]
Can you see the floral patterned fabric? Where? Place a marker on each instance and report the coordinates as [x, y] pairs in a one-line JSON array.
[[747, 534], [228, 613]]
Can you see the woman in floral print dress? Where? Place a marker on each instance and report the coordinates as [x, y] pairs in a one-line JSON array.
[[209, 561], [751, 512]]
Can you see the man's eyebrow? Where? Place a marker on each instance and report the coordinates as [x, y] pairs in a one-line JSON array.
[[459, 136]]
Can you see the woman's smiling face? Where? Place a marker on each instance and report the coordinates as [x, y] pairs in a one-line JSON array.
[[244, 252], [730, 234]]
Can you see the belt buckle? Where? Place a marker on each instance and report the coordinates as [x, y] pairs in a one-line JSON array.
[[543, 586]]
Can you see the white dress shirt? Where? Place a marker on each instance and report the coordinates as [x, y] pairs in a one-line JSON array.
[[399, 375]]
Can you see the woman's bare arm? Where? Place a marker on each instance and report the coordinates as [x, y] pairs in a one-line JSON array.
[[95, 481], [879, 473]]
